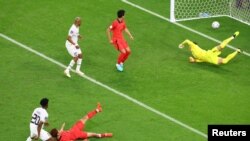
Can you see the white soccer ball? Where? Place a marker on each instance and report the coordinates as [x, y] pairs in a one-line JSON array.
[[215, 24]]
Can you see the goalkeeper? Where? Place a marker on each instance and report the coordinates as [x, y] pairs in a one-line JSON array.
[[210, 56]]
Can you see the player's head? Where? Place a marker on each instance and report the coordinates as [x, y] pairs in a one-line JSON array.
[[44, 103], [120, 13], [54, 132], [77, 21]]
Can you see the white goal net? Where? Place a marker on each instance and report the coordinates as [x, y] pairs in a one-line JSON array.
[[181, 10]]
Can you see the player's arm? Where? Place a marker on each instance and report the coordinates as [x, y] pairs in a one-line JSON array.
[[60, 130], [79, 36], [182, 45], [129, 34], [69, 38], [108, 31], [46, 123], [62, 127]]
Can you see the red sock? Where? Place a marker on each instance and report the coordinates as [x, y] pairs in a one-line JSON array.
[[126, 56], [91, 114], [121, 58]]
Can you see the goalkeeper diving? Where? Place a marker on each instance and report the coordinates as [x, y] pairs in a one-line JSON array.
[[210, 56]]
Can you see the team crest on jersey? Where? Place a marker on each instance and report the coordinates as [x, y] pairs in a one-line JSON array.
[[71, 31]]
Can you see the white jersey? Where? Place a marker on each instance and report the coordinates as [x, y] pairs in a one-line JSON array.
[[73, 33], [39, 114]]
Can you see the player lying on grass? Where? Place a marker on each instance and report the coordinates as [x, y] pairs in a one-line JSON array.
[[76, 132], [210, 56]]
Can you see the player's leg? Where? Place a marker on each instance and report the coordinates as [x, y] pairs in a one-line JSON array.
[[194, 60], [33, 132], [120, 59], [124, 53], [29, 139], [226, 41], [128, 52], [92, 113], [73, 52], [228, 58], [96, 135], [127, 49], [79, 62], [45, 136]]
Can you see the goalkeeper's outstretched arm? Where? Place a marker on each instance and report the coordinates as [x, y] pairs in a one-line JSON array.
[[188, 42]]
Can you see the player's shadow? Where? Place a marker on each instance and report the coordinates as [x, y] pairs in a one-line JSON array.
[[218, 69]]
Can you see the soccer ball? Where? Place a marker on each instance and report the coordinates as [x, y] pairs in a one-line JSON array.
[[215, 24]]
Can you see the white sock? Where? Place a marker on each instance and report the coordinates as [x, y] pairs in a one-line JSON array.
[[29, 139], [71, 64], [79, 62]]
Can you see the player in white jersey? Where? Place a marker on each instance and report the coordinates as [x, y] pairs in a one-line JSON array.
[[73, 48], [38, 119]]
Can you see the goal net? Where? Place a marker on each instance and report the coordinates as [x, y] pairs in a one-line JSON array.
[[181, 10]]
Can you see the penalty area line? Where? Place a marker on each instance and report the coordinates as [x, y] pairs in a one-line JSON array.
[[135, 101], [180, 25]]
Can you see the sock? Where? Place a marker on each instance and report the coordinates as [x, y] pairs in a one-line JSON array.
[[225, 42], [79, 62], [126, 56], [99, 135], [71, 64], [229, 57], [106, 135], [91, 114], [29, 139], [120, 58]]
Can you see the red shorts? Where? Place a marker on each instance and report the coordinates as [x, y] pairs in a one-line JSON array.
[[120, 44], [77, 131]]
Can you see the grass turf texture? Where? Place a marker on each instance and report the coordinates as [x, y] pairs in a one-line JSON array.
[[157, 73]]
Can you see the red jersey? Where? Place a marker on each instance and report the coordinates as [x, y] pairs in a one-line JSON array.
[[117, 28], [74, 133], [65, 136]]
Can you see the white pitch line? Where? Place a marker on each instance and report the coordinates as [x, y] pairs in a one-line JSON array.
[[107, 87], [180, 25]]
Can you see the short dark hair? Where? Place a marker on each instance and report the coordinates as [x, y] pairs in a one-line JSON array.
[[44, 102], [54, 132], [120, 13]]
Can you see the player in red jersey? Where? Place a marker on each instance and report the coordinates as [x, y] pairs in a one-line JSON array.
[[117, 27], [76, 132]]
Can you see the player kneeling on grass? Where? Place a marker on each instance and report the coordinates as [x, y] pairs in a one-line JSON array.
[[38, 120], [210, 56], [76, 132]]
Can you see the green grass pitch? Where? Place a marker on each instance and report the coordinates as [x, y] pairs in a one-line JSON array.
[[157, 73]]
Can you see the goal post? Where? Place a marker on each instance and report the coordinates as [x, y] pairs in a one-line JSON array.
[[181, 10]]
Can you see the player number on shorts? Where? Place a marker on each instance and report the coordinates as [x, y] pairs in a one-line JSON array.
[[35, 119]]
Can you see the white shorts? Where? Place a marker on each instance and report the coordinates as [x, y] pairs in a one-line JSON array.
[[72, 50], [44, 135]]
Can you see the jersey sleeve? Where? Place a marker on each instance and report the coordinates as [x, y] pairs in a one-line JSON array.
[[71, 32], [113, 26], [124, 26], [44, 116]]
